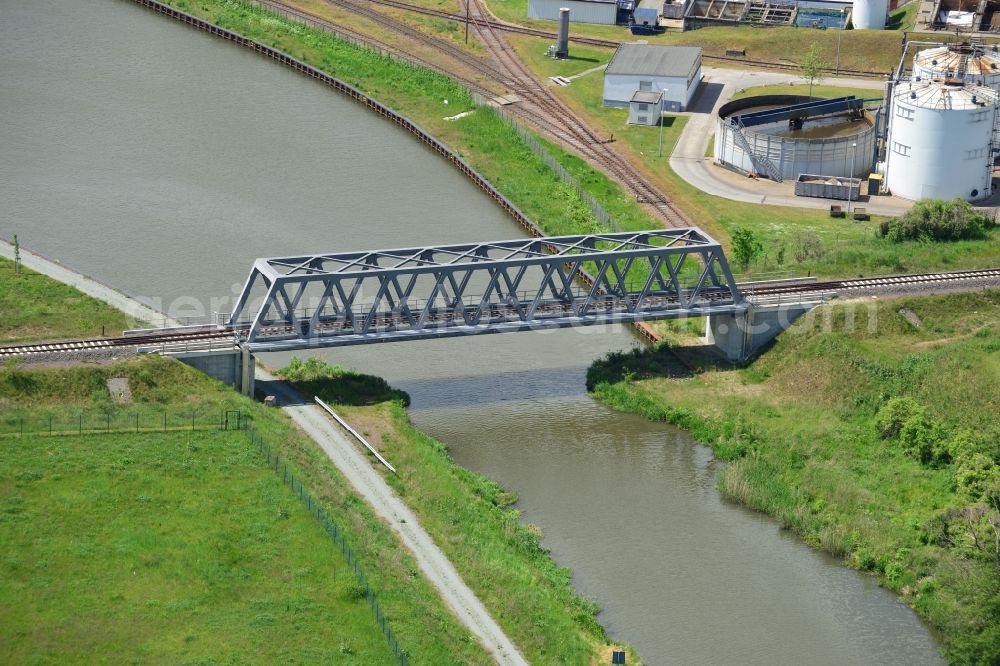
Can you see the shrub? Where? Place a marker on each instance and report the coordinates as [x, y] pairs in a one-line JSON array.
[[937, 220], [894, 414], [978, 478], [745, 247]]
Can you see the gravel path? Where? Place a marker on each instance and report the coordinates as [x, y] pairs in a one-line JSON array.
[[89, 286], [368, 482]]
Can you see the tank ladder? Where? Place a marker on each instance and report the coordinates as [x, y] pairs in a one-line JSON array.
[[994, 149], [761, 163]]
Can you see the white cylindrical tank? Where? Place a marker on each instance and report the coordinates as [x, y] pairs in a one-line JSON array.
[[940, 140], [976, 64], [869, 14]]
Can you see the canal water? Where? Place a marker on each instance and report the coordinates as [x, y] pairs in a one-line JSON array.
[[162, 161]]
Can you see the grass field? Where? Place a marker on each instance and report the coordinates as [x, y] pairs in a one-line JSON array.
[[800, 427], [33, 307], [177, 548], [818, 90]]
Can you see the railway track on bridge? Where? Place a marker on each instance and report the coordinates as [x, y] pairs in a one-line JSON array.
[[177, 341]]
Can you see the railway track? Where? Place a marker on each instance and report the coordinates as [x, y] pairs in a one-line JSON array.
[[582, 138], [596, 41], [227, 335], [880, 283]]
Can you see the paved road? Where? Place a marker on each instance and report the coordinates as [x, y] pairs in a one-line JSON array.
[[688, 158], [434, 564]]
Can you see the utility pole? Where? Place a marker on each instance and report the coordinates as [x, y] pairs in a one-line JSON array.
[[467, 3], [850, 188], [659, 113], [843, 18], [17, 256]]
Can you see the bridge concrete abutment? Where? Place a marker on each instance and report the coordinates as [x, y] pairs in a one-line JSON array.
[[233, 367], [738, 336]]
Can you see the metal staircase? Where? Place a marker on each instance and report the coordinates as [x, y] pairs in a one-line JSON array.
[[760, 162]]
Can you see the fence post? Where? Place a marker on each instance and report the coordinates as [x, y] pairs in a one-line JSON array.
[[192, 420], [137, 421], [107, 422]]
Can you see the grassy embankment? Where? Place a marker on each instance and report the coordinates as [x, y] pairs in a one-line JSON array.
[[32, 307], [189, 540], [796, 241], [874, 437]]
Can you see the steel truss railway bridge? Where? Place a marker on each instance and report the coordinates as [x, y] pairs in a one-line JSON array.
[[413, 293]]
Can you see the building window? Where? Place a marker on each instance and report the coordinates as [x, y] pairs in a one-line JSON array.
[[904, 112], [975, 153], [900, 149], [643, 120], [644, 107], [978, 116], [645, 85]]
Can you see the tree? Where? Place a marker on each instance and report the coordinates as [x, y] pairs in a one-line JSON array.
[[812, 66], [745, 247], [17, 256]]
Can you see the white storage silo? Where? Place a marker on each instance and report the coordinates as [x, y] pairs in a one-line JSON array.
[[975, 64], [869, 14], [940, 140]]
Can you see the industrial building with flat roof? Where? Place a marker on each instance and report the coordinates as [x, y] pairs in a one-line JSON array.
[[580, 11], [673, 70]]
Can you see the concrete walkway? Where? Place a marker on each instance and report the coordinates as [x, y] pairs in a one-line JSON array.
[[349, 460], [141, 313], [434, 564], [688, 159]]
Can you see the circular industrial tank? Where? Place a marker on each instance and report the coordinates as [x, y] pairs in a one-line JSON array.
[[940, 140], [838, 145], [974, 64], [869, 14]]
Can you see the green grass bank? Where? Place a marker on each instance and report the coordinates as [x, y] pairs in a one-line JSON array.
[[33, 307], [870, 430]]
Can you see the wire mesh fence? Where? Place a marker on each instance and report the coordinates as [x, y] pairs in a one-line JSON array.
[[124, 418], [335, 535], [565, 176]]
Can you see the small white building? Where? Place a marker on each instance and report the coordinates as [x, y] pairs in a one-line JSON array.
[[645, 108], [580, 11], [673, 70]]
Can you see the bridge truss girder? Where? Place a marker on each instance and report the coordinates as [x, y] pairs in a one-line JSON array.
[[526, 284]]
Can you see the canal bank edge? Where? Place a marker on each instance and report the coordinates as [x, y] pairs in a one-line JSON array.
[[806, 432]]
